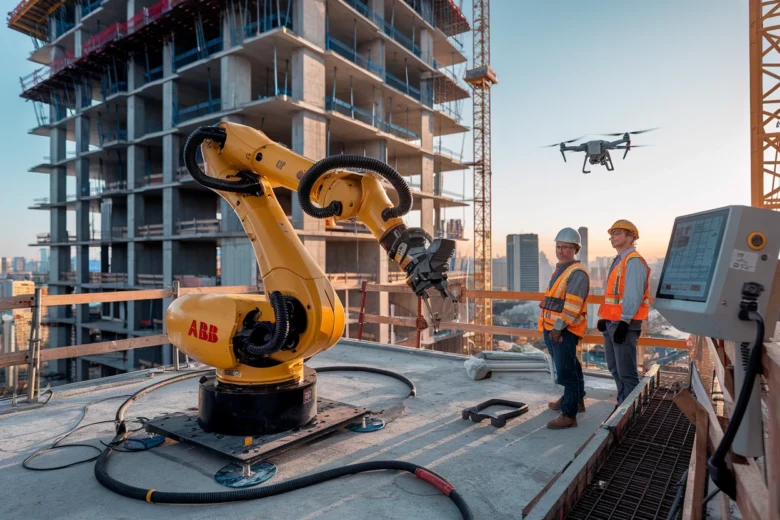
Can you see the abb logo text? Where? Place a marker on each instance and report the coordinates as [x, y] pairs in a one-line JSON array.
[[203, 331]]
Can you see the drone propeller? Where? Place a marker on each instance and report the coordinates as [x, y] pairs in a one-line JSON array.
[[630, 133], [564, 142], [628, 147]]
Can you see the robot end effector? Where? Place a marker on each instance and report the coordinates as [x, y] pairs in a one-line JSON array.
[[428, 263], [425, 261]]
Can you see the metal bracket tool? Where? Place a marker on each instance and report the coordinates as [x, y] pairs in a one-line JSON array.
[[498, 420]]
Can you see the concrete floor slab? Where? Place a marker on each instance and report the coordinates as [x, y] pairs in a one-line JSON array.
[[498, 471]]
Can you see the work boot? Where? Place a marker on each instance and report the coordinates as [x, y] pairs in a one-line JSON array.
[[561, 422], [556, 405]]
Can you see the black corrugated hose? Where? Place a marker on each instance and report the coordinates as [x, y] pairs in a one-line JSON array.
[[217, 134], [281, 330], [352, 161], [167, 497]]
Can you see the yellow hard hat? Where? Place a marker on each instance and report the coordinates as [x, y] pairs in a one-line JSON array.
[[625, 224]]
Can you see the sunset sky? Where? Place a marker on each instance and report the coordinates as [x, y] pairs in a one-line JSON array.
[[565, 69]]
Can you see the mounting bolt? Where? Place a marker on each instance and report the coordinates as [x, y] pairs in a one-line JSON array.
[[259, 157]]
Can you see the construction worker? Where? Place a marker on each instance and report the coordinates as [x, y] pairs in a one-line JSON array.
[[563, 320], [626, 305]]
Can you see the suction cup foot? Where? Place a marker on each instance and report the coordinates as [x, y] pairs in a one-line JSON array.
[[369, 424], [235, 476]]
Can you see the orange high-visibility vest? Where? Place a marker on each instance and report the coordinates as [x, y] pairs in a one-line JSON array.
[[557, 303], [612, 308]]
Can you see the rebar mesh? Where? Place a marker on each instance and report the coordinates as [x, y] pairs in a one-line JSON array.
[[639, 478]]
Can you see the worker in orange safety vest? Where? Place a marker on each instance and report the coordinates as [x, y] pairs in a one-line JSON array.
[[563, 320], [626, 305]]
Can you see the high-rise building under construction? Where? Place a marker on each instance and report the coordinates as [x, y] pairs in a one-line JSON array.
[[122, 83]]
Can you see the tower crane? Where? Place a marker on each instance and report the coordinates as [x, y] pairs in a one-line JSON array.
[[764, 103], [481, 77]]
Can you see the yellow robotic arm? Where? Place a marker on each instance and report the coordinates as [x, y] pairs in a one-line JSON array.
[[259, 342]]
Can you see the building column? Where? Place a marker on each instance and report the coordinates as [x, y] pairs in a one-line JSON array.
[[378, 150], [374, 52], [236, 81], [79, 36], [168, 53], [309, 129], [136, 75], [59, 256], [171, 151], [82, 207], [238, 260], [426, 46], [136, 158], [309, 140], [135, 118], [309, 21], [170, 102]]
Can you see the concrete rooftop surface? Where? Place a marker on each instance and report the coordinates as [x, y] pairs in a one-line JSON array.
[[498, 471]]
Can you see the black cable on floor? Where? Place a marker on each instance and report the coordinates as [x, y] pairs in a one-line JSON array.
[[56, 445], [354, 368], [153, 495]]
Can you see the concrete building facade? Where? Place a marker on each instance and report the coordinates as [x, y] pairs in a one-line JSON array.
[[125, 82]]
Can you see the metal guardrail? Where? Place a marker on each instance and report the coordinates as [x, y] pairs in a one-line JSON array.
[[113, 32], [201, 109]]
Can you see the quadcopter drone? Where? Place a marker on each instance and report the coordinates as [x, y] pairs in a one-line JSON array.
[[597, 151]]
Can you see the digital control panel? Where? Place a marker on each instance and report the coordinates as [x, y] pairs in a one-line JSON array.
[[710, 256]]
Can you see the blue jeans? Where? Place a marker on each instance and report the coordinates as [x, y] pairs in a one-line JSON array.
[[569, 371], [621, 360]]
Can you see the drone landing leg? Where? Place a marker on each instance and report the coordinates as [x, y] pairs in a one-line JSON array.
[[608, 163], [584, 163]]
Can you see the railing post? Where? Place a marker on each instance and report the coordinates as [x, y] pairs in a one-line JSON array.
[[33, 383], [419, 317], [362, 311], [175, 294], [346, 304]]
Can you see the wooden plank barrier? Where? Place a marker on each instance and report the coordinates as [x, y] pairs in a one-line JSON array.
[[25, 301], [517, 332]]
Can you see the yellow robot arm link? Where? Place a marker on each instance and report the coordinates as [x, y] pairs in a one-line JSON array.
[[254, 339]]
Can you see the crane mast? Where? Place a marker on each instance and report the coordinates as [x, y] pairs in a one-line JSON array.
[[764, 103], [481, 77]]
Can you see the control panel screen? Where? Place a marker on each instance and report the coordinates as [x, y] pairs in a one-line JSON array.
[[692, 256]]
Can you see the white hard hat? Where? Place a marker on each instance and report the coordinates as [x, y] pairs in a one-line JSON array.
[[569, 235]]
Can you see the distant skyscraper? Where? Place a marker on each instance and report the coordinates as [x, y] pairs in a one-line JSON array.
[[522, 261], [499, 274], [545, 271], [19, 264], [584, 251]]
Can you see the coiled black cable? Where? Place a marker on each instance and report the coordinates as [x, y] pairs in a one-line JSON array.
[[196, 138], [281, 330], [163, 497], [352, 161]]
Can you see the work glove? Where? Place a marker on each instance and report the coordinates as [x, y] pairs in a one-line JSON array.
[[602, 325], [620, 332], [555, 336]]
